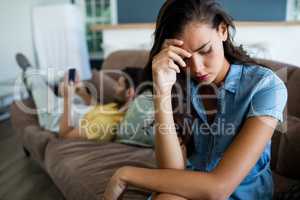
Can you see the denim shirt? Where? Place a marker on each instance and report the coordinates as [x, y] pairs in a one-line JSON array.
[[248, 91]]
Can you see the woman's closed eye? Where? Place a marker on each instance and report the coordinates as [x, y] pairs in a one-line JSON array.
[[209, 50], [206, 52]]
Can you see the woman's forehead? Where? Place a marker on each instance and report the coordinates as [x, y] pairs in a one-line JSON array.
[[194, 35]]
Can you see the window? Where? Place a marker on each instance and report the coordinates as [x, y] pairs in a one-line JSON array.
[[297, 9], [293, 10], [100, 12]]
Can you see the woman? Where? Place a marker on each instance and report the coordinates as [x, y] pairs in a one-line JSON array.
[[235, 106]]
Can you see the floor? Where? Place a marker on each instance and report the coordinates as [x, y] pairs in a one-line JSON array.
[[20, 177]]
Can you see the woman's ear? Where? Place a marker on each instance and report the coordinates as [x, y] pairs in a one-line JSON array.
[[223, 31]]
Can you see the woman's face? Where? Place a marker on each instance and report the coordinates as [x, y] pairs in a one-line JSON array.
[[207, 63]]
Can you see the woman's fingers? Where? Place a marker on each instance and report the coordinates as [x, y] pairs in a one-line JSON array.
[[77, 78], [173, 42], [171, 46], [176, 58], [180, 51], [173, 66]]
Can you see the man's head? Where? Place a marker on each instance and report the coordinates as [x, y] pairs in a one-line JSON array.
[[127, 82]]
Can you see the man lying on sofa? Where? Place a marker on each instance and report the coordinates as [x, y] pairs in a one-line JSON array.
[[76, 115]]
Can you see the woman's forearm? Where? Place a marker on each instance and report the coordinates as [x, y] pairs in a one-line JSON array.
[[65, 121], [187, 184], [167, 147]]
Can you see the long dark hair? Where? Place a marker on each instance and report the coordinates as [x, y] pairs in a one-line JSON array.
[[173, 16]]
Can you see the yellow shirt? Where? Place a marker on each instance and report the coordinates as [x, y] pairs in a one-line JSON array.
[[101, 122]]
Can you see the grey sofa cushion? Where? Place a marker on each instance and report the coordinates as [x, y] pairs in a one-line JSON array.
[[81, 169]]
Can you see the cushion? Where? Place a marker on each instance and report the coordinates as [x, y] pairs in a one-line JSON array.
[[137, 125], [102, 86], [288, 163], [122, 58], [281, 184], [82, 169], [294, 96]]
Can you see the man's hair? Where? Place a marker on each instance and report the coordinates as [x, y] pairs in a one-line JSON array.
[[135, 76]]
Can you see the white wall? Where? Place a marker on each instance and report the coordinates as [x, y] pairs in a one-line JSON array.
[[278, 42], [16, 33]]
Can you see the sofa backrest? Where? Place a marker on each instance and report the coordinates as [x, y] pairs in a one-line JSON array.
[[288, 73], [124, 58]]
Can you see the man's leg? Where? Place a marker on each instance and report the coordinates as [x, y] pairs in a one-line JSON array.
[[48, 105]]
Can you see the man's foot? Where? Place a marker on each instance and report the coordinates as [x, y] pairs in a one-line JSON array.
[[24, 64], [22, 61]]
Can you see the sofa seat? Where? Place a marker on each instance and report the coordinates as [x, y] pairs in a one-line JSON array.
[[82, 169]]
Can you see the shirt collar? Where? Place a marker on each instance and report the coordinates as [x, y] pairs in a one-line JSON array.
[[232, 80]]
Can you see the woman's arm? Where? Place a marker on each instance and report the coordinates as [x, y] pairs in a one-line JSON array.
[[75, 133], [65, 124], [165, 65], [169, 154], [220, 183], [66, 130], [167, 146]]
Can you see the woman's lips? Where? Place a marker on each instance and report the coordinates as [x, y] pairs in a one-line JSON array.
[[203, 77]]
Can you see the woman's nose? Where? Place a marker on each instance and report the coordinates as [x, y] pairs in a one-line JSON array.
[[197, 63]]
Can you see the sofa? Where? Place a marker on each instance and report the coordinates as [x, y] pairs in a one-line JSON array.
[[81, 169]]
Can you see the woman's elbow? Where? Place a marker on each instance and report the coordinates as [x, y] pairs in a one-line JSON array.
[[218, 191], [221, 191]]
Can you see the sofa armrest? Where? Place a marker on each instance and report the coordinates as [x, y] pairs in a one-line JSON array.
[[35, 140], [29, 134]]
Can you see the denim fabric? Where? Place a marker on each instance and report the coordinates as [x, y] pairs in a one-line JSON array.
[[248, 91]]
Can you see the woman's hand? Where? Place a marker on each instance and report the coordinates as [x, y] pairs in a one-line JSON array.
[[68, 88], [116, 186], [166, 64]]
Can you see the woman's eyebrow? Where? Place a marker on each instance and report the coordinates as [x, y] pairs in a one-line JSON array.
[[204, 45]]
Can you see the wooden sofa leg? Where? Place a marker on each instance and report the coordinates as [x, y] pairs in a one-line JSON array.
[[26, 152]]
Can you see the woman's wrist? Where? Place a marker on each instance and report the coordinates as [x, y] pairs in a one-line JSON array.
[[162, 94], [125, 173], [67, 99], [162, 91]]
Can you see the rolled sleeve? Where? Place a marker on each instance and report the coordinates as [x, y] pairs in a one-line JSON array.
[[270, 98]]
